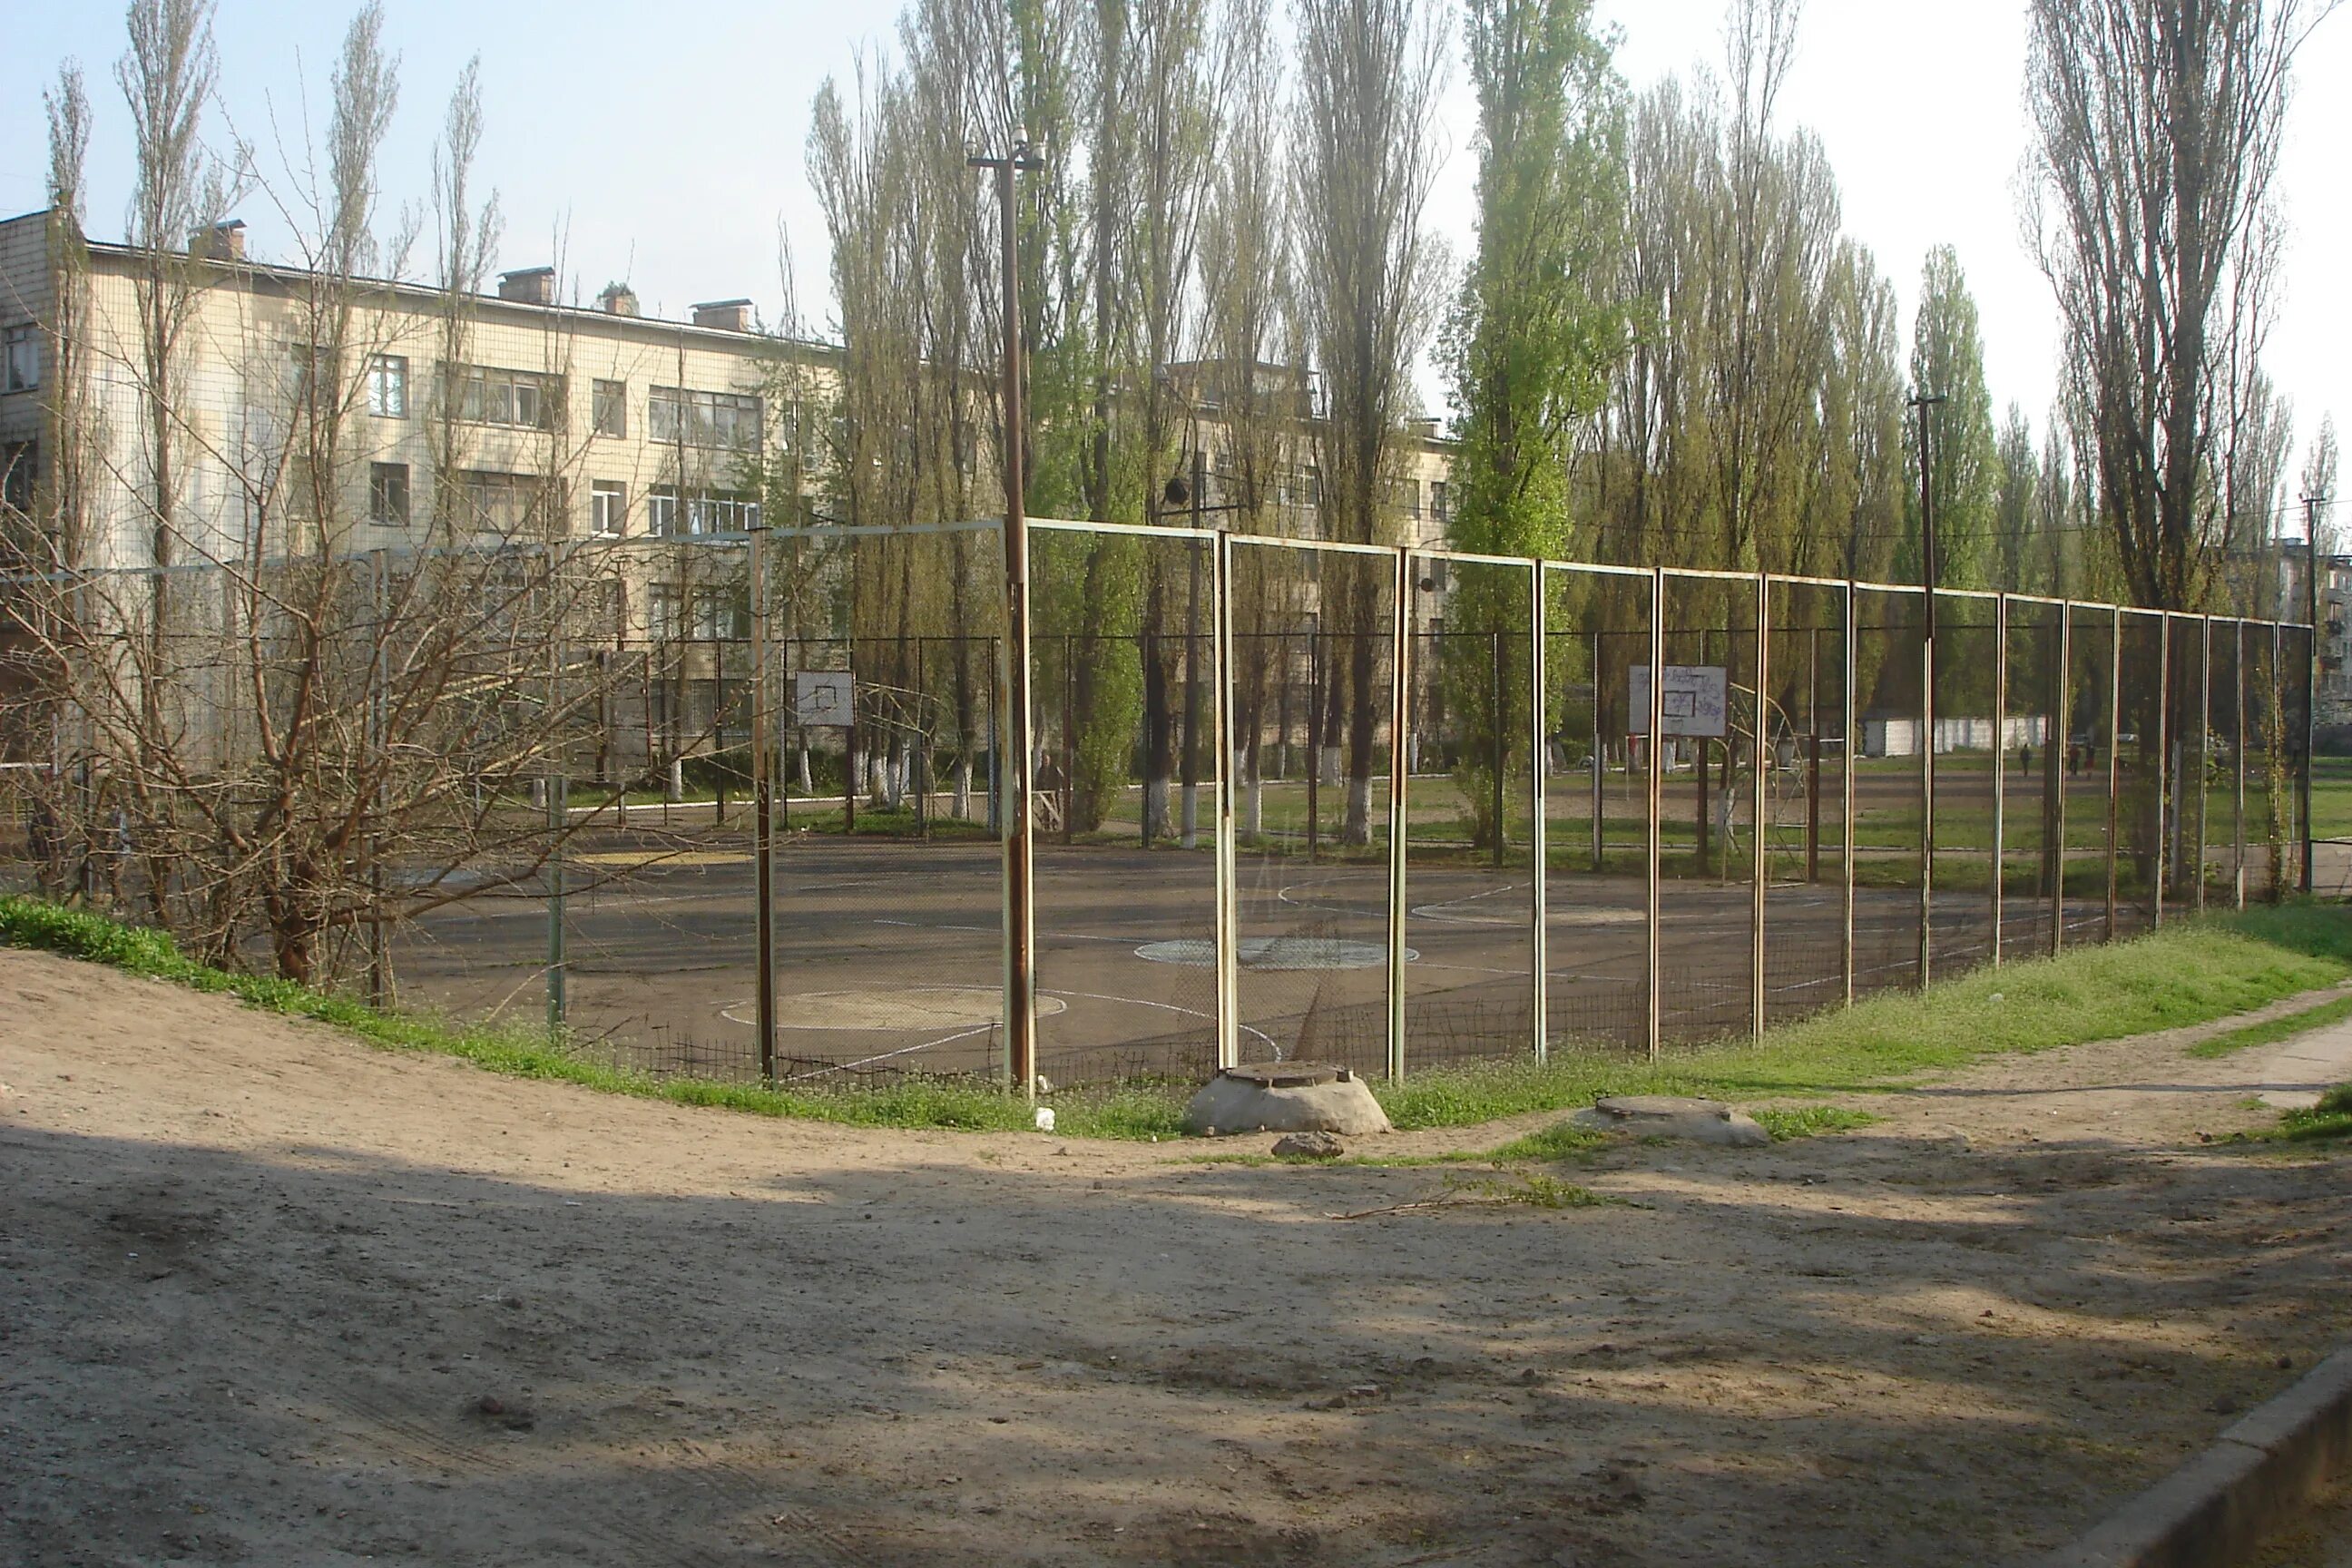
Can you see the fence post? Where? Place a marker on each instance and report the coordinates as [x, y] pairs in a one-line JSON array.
[[2204, 744], [2238, 785], [1850, 640], [2116, 734], [763, 805], [1539, 835], [556, 796], [2065, 716], [2163, 780], [1400, 721], [378, 717], [1760, 857], [2000, 763], [1927, 793], [1654, 786], [1221, 715]]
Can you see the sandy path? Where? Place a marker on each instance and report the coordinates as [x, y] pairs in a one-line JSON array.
[[257, 1283]]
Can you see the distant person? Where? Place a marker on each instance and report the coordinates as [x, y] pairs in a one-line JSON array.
[[2025, 759]]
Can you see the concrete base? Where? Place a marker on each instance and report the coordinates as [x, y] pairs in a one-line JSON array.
[[1674, 1116], [1242, 1101]]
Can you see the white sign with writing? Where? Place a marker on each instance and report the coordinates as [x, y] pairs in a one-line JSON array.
[[824, 697], [1695, 700]]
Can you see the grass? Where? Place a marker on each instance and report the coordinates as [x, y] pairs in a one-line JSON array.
[[2191, 973], [2330, 1118], [2273, 1030], [1787, 1124]]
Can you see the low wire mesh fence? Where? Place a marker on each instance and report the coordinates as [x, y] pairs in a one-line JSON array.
[[1382, 807]]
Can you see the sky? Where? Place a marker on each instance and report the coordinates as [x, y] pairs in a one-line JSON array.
[[669, 149]]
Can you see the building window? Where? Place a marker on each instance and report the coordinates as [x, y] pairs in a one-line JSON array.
[[388, 386], [661, 610], [722, 615], [610, 401], [608, 507], [521, 397], [388, 494], [726, 420], [1441, 506], [707, 512], [513, 503], [1405, 496], [24, 365]]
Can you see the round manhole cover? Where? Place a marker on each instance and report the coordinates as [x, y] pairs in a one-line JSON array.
[[1283, 1075], [1274, 954]]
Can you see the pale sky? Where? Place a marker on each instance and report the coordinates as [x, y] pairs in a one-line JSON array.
[[664, 147]]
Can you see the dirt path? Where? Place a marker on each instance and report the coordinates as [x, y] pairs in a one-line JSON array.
[[268, 1296]]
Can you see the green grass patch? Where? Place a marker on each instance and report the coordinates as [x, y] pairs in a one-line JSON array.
[[2272, 1030], [2330, 1118], [2192, 972], [1789, 1123]]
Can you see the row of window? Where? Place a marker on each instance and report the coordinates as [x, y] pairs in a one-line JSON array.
[[20, 363], [533, 400], [508, 503]]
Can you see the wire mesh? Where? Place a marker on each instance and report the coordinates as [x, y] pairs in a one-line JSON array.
[[1470, 867], [1890, 643], [2144, 721], [1804, 918], [1313, 645], [2034, 775], [1708, 808], [1126, 873], [1596, 798], [1969, 743]]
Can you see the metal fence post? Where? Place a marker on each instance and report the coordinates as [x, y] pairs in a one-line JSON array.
[[2163, 780], [763, 804], [2238, 785], [2064, 737], [1850, 640], [1760, 857], [1655, 787], [1927, 793], [1221, 710], [1400, 722], [1539, 830], [2000, 763], [2115, 735], [2204, 744]]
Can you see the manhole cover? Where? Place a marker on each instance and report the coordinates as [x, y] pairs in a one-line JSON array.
[[1274, 953], [1285, 1075], [894, 1007]]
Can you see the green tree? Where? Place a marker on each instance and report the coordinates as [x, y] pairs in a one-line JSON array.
[[1947, 362]]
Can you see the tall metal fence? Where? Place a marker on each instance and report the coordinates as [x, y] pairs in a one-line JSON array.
[[1384, 808]]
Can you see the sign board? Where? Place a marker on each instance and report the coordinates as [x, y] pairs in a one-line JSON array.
[[1693, 702], [824, 697]]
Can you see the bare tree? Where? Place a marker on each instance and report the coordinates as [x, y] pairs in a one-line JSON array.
[[1369, 72], [2152, 208]]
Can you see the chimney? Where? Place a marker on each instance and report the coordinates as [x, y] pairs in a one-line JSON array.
[[726, 315], [221, 242], [532, 285], [618, 300]]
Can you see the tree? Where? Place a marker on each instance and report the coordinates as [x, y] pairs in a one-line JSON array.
[[1947, 362], [2150, 204], [1363, 161], [2014, 513]]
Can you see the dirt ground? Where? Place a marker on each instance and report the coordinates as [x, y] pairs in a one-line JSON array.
[[268, 1296]]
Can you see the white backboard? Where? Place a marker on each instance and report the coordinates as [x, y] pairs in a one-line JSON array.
[[1695, 700], [824, 697]]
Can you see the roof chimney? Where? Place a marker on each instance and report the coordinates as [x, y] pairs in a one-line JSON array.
[[726, 315], [532, 285], [618, 300], [221, 242]]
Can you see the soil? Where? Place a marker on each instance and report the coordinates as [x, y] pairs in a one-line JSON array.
[[268, 1295]]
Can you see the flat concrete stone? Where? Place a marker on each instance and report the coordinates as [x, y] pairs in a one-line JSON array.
[[1236, 1101], [1674, 1116]]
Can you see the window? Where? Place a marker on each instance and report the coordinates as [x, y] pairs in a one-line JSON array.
[[314, 367], [483, 396], [1440, 506], [610, 404], [608, 507], [513, 503], [1405, 496], [388, 386], [24, 367], [661, 610], [388, 494], [722, 613], [707, 512], [726, 420]]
